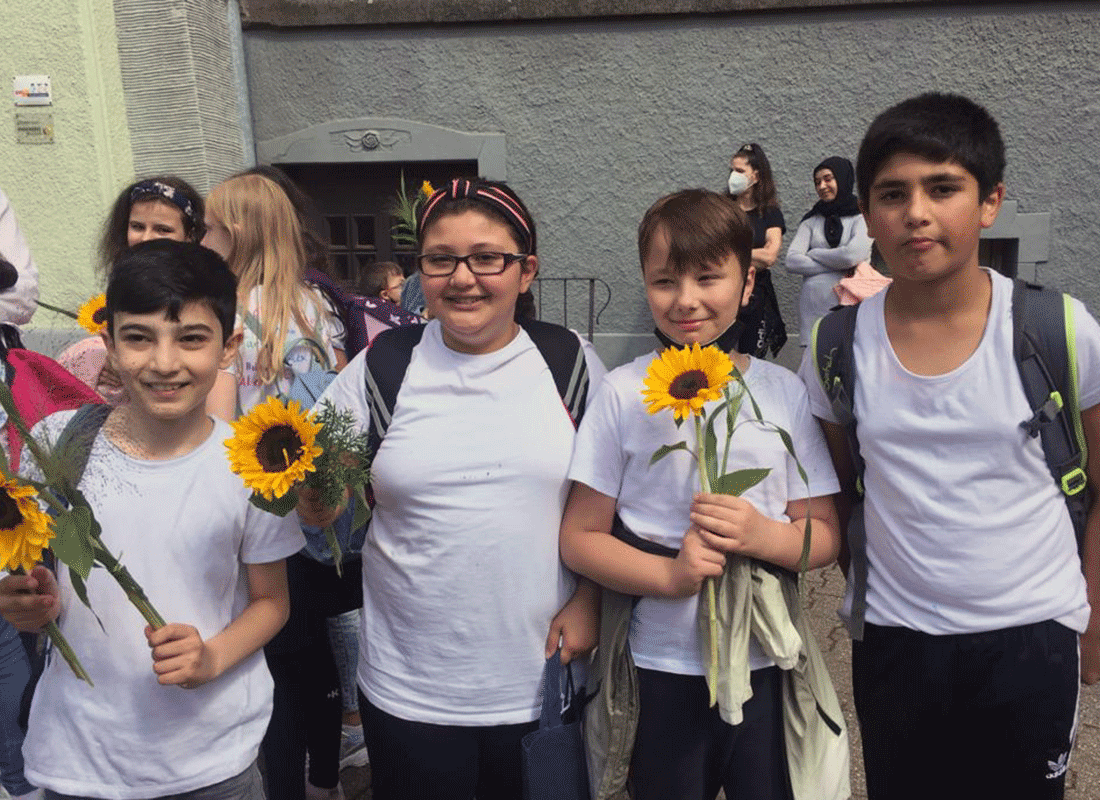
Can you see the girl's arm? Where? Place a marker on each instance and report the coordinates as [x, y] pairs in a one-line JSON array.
[[764, 257], [589, 549], [799, 260], [733, 525], [182, 658], [857, 248]]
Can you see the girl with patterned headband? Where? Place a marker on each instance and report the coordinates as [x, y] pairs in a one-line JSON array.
[[464, 594], [161, 207]]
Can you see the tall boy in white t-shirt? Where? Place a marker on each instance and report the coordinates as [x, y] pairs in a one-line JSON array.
[[178, 711], [966, 677], [695, 248]]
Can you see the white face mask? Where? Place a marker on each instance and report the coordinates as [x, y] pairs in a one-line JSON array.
[[738, 182]]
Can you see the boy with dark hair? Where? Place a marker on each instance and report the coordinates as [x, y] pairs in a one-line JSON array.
[[181, 710], [695, 248], [965, 653]]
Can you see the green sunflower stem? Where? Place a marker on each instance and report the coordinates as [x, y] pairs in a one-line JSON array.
[[57, 310], [708, 584], [134, 593], [62, 646]]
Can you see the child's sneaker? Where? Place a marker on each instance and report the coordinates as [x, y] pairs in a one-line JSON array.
[[353, 752]]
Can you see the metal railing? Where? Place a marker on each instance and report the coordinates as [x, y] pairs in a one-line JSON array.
[[541, 287]]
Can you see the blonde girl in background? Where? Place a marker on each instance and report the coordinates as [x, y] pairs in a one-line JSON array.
[[287, 324]]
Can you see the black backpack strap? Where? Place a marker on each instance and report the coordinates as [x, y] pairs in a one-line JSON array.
[[833, 343], [387, 360], [563, 353], [1044, 346]]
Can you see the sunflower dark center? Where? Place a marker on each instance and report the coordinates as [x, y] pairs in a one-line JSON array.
[[99, 317], [688, 384], [10, 515], [279, 446]]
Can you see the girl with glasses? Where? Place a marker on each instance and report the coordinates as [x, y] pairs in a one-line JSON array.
[[464, 594]]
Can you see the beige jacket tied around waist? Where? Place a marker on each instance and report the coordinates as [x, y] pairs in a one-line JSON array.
[[751, 599]]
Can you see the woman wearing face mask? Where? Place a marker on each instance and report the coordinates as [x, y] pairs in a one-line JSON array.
[[751, 182], [831, 239]]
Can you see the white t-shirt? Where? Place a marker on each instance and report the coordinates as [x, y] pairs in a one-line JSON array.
[[329, 332], [966, 530], [614, 446], [184, 528], [461, 573]]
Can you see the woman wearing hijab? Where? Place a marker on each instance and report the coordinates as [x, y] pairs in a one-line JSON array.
[[831, 239]]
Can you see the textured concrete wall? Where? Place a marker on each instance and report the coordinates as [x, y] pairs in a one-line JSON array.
[[602, 117], [60, 192]]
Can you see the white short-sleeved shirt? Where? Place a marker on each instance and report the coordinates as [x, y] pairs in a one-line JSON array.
[[461, 573], [966, 529], [185, 529], [328, 332], [614, 446]]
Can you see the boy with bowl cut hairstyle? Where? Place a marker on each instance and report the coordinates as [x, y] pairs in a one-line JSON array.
[[181, 710], [695, 248], [966, 674]]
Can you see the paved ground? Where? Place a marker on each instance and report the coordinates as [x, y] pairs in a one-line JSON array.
[[825, 590]]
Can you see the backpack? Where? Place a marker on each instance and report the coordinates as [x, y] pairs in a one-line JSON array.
[[360, 315], [39, 386], [1043, 348], [388, 359]]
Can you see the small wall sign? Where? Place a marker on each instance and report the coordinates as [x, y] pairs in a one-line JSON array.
[[33, 128], [32, 90]]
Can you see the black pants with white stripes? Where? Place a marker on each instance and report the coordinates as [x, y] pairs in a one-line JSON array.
[[989, 714]]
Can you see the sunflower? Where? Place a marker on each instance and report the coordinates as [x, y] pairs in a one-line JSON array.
[[93, 314], [24, 527], [273, 447], [683, 379]]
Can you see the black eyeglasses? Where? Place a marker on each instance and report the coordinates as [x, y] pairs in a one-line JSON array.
[[439, 265]]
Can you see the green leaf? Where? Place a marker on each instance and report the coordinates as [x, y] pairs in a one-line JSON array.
[[664, 450], [362, 514], [710, 451], [280, 506], [739, 481], [334, 548], [82, 592], [72, 543]]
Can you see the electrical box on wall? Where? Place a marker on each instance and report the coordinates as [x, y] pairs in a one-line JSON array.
[[32, 92]]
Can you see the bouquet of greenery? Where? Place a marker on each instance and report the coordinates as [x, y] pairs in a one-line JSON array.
[[278, 447], [684, 380]]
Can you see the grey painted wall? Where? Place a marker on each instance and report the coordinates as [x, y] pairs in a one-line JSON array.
[[603, 117]]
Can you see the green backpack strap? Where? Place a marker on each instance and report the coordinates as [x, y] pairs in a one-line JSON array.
[[833, 343], [1044, 348]]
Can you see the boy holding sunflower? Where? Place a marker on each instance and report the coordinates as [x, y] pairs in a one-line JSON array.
[[695, 249], [180, 710]]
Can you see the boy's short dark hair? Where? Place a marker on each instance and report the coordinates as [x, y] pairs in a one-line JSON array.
[[375, 277], [703, 228], [939, 127], [164, 275]]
